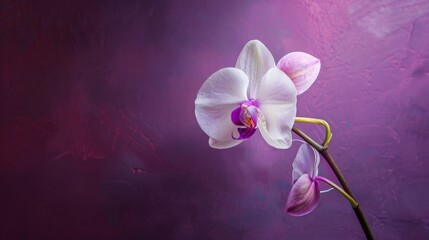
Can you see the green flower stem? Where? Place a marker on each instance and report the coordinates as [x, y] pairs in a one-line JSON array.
[[340, 190], [323, 150], [328, 135]]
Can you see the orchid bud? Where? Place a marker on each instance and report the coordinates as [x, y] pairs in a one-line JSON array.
[[302, 68]]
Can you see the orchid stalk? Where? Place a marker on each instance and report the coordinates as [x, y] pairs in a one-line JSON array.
[[328, 135], [258, 95], [340, 190], [345, 191]]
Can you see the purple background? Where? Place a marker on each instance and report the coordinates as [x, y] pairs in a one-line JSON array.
[[99, 138]]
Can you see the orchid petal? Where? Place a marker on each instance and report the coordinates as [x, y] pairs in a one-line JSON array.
[[220, 94], [306, 162], [222, 144], [281, 143], [304, 196], [277, 99], [302, 68], [255, 60], [226, 86]]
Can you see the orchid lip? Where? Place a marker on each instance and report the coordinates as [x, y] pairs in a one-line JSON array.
[[246, 117], [245, 133]]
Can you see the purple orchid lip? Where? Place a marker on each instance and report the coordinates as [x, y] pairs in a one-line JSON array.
[[245, 116]]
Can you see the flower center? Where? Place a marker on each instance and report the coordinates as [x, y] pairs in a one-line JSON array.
[[246, 117]]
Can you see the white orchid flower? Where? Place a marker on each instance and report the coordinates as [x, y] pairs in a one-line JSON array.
[[234, 102]]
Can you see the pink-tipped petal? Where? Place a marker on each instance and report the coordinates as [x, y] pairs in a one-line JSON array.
[[304, 196], [255, 60], [277, 99], [302, 68], [306, 162], [220, 94]]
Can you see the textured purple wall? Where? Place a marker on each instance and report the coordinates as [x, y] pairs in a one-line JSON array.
[[99, 138]]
